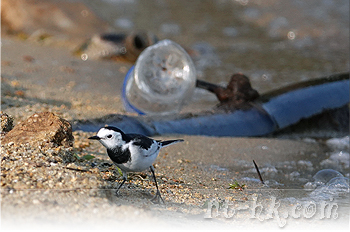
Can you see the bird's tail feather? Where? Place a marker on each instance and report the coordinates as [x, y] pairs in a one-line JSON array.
[[168, 142]]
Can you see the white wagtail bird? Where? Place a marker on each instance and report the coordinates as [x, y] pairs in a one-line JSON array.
[[132, 152]]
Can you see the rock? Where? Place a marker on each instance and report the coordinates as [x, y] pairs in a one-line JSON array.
[[6, 123], [117, 47], [43, 128]]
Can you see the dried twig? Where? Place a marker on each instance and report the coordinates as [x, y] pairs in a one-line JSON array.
[[257, 170], [76, 169]]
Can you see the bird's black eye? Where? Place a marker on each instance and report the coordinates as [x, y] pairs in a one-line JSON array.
[[109, 136]]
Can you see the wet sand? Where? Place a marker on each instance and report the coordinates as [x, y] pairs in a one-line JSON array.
[[38, 78]]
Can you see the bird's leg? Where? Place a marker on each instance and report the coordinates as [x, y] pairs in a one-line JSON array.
[[121, 184], [157, 197]]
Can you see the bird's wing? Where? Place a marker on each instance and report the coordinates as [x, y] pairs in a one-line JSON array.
[[142, 141], [150, 146]]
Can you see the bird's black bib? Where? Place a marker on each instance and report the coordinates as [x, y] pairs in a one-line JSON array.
[[118, 155]]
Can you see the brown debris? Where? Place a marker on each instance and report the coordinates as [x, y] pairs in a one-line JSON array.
[[237, 95], [44, 128], [118, 47]]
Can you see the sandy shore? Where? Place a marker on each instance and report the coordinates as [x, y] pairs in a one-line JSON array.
[[38, 78]]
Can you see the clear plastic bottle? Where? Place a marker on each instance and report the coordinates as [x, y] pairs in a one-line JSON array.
[[162, 80]]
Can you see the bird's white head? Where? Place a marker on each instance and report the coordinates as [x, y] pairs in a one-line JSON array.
[[110, 137]]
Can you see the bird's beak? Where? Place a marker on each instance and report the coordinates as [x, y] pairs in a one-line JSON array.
[[94, 137]]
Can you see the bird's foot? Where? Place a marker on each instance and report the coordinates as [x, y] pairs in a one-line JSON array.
[[157, 199]]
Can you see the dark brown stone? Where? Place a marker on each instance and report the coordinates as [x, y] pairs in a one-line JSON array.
[[43, 128], [6, 122]]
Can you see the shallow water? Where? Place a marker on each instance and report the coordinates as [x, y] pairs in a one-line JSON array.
[[314, 189], [273, 42], [319, 178]]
